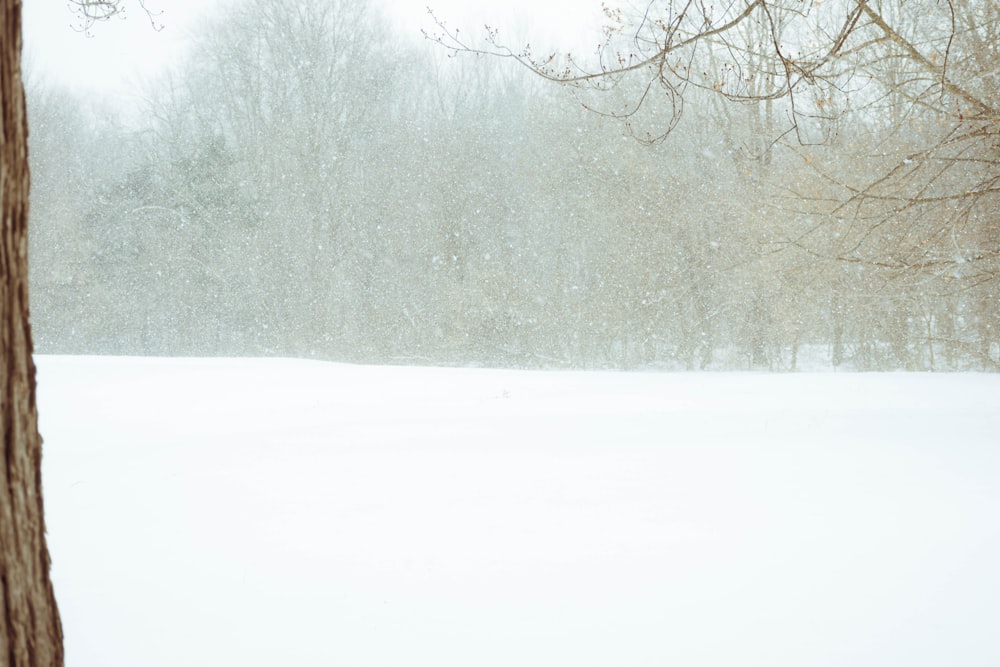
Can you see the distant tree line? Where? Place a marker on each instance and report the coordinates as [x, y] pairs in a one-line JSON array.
[[306, 184]]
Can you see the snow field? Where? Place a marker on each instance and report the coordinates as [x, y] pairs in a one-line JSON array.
[[261, 512]]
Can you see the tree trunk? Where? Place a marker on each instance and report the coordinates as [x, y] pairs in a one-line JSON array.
[[30, 630]]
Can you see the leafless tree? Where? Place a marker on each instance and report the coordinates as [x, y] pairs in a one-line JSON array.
[[30, 629], [905, 91]]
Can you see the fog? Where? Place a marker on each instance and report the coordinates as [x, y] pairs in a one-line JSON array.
[[416, 294], [314, 180]]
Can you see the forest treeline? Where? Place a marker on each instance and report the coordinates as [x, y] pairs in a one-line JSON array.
[[307, 184]]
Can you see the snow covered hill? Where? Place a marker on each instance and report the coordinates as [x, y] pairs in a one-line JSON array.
[[278, 512]]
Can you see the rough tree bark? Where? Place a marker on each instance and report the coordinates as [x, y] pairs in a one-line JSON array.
[[30, 629]]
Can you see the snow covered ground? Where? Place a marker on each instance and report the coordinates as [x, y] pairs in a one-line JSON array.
[[277, 512]]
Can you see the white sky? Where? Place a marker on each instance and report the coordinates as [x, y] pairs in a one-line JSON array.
[[121, 53]]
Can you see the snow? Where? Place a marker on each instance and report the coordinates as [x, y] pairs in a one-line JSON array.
[[282, 512]]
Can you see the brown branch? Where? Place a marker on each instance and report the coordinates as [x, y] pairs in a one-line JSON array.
[[918, 57]]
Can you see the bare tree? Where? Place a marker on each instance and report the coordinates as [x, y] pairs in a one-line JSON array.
[[818, 60], [906, 91], [30, 629]]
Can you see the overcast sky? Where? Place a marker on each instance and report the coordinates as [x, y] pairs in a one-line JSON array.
[[121, 53]]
